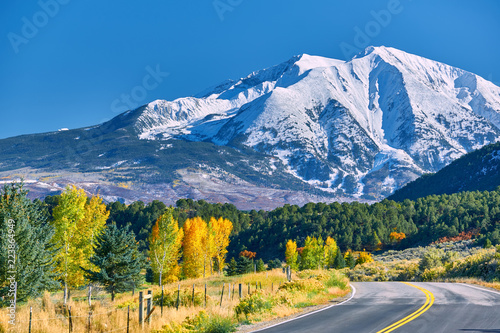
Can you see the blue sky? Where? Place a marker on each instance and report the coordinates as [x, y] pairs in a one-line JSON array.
[[69, 63]]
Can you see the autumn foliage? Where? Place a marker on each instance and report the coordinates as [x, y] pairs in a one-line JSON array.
[[397, 237], [248, 254]]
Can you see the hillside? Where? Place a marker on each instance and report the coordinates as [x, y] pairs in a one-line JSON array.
[[309, 129], [475, 171]]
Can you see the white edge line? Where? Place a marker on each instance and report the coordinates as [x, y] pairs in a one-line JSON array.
[[310, 313], [483, 289]]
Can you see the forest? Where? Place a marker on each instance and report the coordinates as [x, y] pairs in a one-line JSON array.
[[354, 226]]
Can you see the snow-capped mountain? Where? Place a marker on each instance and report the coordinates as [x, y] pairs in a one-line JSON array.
[[360, 128], [309, 129]]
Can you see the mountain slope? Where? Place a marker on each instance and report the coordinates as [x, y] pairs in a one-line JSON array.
[[360, 128], [475, 171], [311, 128]]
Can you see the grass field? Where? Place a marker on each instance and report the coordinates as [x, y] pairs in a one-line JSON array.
[[274, 297]]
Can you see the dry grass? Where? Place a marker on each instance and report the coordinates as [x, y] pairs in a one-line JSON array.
[[479, 282], [50, 316]]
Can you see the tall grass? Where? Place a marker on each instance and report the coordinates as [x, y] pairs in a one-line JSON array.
[[50, 316]]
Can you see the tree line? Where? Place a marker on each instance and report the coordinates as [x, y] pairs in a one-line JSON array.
[[69, 241]]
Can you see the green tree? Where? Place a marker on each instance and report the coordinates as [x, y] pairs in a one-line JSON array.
[[260, 265], [232, 267], [244, 265], [339, 260], [118, 261], [350, 261], [25, 244]]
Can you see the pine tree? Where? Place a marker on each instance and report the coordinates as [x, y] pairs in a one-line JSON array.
[[291, 254], [118, 261], [232, 267], [339, 260], [165, 243], [244, 265], [26, 222], [260, 265], [350, 261]]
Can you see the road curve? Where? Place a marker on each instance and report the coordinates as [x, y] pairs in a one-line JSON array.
[[378, 305]]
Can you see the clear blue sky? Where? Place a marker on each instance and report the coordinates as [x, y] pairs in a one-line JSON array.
[[73, 68]]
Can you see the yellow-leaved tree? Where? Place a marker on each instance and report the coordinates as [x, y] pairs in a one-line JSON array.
[[331, 250], [165, 243], [195, 246], [220, 229], [78, 222], [291, 254]]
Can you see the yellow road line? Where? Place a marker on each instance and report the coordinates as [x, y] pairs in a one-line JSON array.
[[429, 300]]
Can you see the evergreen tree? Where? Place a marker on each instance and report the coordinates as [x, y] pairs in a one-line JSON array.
[[339, 260], [276, 263], [232, 267], [25, 244], [350, 261], [118, 260], [260, 266], [244, 265]]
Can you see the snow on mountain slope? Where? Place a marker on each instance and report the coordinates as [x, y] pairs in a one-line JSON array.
[[361, 128]]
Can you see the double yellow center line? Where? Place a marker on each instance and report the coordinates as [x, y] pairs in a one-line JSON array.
[[428, 303]]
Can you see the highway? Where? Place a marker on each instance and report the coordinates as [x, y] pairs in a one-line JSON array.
[[382, 307]]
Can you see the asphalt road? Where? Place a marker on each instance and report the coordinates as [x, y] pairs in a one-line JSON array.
[[378, 305]]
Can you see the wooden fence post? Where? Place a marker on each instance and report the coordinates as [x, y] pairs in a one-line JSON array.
[[178, 296], [149, 302], [128, 319], [141, 309], [70, 320], [161, 304], [222, 295], [205, 295], [192, 298], [90, 296], [240, 289], [31, 314]]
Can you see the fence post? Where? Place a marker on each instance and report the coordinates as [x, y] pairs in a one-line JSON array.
[[240, 289], [248, 288], [232, 295], [161, 304], [141, 309], [222, 295], [70, 320], [178, 296], [90, 295], [272, 286], [192, 298], [150, 301], [31, 314], [205, 295], [90, 320], [128, 319]]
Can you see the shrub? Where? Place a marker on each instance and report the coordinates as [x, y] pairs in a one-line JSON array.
[[364, 257], [254, 303], [201, 323], [432, 258], [431, 274], [303, 285]]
